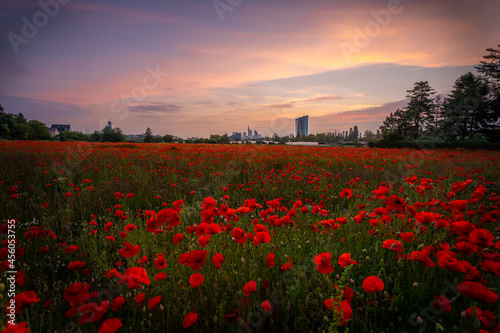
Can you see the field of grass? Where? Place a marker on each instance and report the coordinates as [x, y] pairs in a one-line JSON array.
[[221, 238]]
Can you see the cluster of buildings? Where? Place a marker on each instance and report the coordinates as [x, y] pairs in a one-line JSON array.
[[301, 129], [250, 135], [55, 129]]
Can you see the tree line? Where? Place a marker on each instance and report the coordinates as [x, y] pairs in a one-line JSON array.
[[470, 111]]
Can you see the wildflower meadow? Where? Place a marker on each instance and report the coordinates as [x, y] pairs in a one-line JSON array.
[[121, 237]]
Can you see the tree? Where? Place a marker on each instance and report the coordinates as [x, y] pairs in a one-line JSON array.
[[149, 135], [490, 69], [111, 135], [38, 131], [168, 138], [225, 139], [419, 108], [468, 110], [396, 126]]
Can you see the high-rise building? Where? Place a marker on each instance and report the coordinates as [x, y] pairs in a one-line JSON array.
[[302, 126]]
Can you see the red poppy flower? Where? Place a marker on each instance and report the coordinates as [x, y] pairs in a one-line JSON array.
[[477, 291], [322, 261], [270, 260], [266, 305], [135, 275], [459, 205], [346, 193], [239, 235], [196, 279], [482, 237], [178, 238], [129, 227], [396, 203], [140, 298], [249, 288], [407, 237], [195, 259], [218, 259], [74, 265], [491, 266], [160, 276], [71, 248], [190, 319], [213, 229], [344, 310], [203, 240], [117, 303], [345, 260], [76, 293], [286, 267], [16, 328], [425, 217], [110, 325], [23, 300], [129, 250], [261, 237], [441, 304], [208, 203], [392, 244], [341, 220], [373, 284], [154, 302], [446, 261], [160, 262]]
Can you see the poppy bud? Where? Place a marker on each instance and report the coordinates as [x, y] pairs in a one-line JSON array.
[[337, 277], [351, 281], [161, 308], [463, 314], [143, 309], [415, 285], [420, 321], [150, 315], [368, 259]]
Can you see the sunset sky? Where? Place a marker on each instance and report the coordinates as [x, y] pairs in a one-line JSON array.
[[195, 68]]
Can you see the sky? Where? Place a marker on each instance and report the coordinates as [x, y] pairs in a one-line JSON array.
[[195, 68]]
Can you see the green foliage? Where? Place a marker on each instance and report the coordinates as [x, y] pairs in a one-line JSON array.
[[149, 135], [429, 144], [73, 136]]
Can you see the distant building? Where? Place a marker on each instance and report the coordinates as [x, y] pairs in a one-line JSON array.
[[62, 128], [302, 126], [236, 136], [53, 131], [109, 124]]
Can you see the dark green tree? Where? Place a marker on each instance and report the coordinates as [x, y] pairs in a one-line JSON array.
[[225, 139], [468, 109], [149, 135], [489, 68], [38, 131], [168, 138], [396, 126], [419, 108]]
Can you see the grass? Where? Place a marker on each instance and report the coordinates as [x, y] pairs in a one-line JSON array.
[[75, 189]]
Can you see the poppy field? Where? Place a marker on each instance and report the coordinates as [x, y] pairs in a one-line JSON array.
[[103, 237]]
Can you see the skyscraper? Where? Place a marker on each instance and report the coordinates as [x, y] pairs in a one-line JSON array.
[[302, 126]]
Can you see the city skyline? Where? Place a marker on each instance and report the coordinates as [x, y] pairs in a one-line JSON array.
[[201, 68]]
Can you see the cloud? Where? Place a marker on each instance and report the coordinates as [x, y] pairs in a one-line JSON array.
[[322, 98], [156, 107], [280, 105]]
